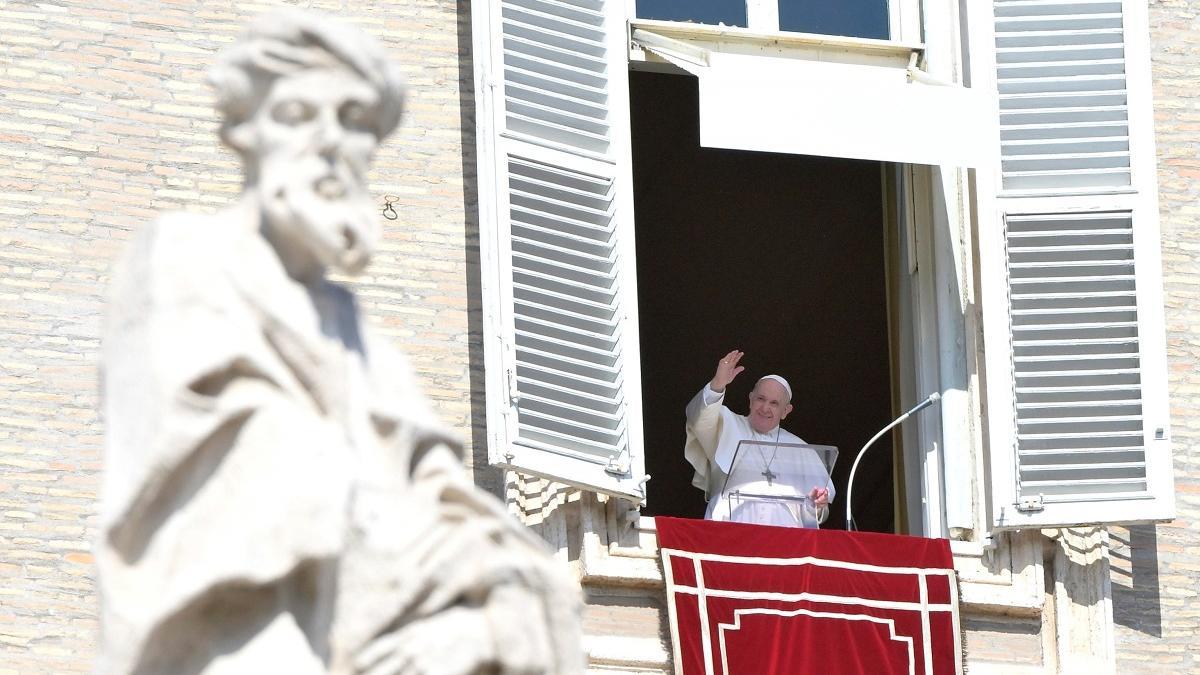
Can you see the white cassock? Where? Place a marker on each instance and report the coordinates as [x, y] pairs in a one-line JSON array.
[[713, 434]]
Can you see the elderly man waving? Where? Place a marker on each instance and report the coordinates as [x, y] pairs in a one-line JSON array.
[[713, 435]]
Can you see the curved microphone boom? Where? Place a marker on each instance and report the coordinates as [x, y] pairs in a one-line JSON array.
[[929, 400]]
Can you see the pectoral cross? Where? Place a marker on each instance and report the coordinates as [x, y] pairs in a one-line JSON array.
[[769, 475]]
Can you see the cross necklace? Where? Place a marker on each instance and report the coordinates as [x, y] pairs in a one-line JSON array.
[[766, 472]]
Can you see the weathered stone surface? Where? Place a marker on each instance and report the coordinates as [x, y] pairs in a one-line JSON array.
[[278, 496]]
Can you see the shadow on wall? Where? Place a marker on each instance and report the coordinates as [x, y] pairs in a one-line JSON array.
[[484, 475], [1073, 561], [1134, 573]]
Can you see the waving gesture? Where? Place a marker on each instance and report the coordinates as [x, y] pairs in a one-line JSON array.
[[727, 369]]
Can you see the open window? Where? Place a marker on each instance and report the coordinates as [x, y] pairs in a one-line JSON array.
[[779, 255], [1067, 193], [557, 229], [814, 99]]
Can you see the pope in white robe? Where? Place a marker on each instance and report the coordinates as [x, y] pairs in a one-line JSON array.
[[714, 433]]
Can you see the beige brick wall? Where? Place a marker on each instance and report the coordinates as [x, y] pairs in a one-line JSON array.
[[105, 120], [1156, 570]]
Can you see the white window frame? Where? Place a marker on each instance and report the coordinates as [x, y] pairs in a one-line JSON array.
[[942, 274], [764, 91], [941, 361], [499, 359], [904, 18]]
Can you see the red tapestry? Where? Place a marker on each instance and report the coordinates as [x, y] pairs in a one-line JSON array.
[[759, 600]]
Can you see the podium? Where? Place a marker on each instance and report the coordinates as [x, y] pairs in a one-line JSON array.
[[756, 600], [767, 483]]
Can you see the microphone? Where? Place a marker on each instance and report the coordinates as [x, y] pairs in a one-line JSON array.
[[929, 400]]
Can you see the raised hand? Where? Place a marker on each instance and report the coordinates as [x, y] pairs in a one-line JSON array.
[[727, 369]]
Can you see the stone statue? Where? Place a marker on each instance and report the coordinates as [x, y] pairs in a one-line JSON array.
[[278, 496]]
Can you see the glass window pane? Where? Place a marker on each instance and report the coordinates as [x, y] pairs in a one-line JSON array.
[[855, 18], [728, 12]]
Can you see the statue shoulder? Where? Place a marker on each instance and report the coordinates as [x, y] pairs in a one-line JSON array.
[[397, 391], [178, 253], [186, 239]]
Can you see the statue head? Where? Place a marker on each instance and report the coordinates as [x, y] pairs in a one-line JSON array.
[[306, 101]]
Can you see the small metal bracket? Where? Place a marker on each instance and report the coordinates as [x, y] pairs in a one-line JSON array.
[[514, 394], [1030, 504], [630, 515], [618, 465], [671, 49], [991, 548]]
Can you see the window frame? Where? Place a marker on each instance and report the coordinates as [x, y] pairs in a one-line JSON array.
[[754, 83], [940, 237], [904, 18], [492, 140]]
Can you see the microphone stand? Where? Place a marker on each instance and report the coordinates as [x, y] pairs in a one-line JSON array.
[[929, 400]]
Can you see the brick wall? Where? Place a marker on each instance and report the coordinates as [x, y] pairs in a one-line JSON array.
[[105, 120], [1156, 568]]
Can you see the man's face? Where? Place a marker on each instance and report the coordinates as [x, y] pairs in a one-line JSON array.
[[768, 405], [313, 142]]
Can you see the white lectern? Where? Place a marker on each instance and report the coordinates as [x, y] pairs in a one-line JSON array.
[[767, 483]]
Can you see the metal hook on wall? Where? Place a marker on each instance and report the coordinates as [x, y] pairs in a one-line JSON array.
[[389, 211]]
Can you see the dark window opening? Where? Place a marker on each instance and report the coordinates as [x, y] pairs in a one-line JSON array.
[[781, 256]]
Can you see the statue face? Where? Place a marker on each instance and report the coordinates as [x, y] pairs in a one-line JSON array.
[[312, 144]]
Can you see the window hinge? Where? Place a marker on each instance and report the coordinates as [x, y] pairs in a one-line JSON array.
[[642, 487], [617, 465], [670, 49], [487, 79], [1030, 504], [917, 74], [514, 394]]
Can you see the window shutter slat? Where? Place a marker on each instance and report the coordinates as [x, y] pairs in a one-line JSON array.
[[562, 361]]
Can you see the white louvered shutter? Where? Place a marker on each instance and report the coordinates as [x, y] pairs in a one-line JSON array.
[[1060, 72], [556, 239], [1072, 274]]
